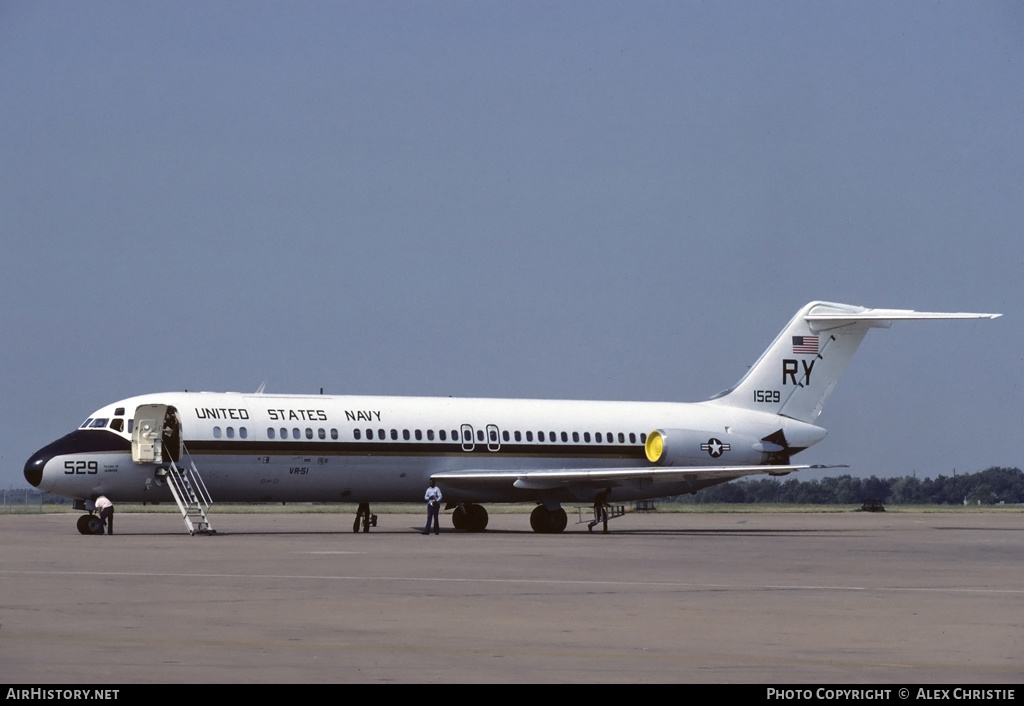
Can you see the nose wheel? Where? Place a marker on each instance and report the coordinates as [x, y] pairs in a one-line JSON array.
[[90, 524]]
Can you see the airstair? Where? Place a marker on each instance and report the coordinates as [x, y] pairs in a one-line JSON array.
[[190, 493]]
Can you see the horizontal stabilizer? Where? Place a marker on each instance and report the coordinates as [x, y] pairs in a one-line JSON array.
[[880, 318]]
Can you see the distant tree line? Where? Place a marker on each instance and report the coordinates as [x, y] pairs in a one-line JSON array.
[[988, 487]]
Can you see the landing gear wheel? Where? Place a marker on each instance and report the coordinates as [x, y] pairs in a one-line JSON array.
[[547, 521], [90, 524], [540, 519], [477, 518], [558, 520], [469, 517]]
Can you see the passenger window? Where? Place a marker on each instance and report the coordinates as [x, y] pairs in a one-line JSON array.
[[405, 434], [231, 432], [565, 437], [394, 435], [597, 437], [216, 432], [243, 432], [504, 436], [296, 434], [494, 436], [430, 434], [381, 434], [419, 435], [355, 433], [131, 425], [270, 432], [632, 437], [321, 433], [284, 433], [586, 436], [643, 437], [334, 434], [441, 435], [622, 438], [518, 436], [575, 436], [479, 434], [309, 433], [529, 436], [540, 436]]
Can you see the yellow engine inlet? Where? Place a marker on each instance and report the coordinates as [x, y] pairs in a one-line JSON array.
[[654, 446]]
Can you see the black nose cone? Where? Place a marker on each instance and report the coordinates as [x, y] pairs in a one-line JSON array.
[[35, 465]]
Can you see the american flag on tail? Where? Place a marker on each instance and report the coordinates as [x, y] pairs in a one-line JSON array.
[[805, 345]]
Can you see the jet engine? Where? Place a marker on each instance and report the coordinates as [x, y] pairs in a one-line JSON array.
[[689, 447]]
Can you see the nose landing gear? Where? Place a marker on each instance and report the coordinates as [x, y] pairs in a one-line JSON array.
[[90, 524]]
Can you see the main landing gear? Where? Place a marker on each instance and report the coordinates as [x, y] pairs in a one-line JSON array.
[[90, 524], [548, 521], [470, 517], [364, 519]]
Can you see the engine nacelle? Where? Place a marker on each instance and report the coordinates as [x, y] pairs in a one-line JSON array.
[[688, 447]]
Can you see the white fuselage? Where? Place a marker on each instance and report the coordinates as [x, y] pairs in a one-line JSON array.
[[282, 448]]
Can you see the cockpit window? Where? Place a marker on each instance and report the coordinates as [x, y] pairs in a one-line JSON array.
[[99, 423], [117, 424], [86, 423]]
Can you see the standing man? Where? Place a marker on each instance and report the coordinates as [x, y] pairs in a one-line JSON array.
[[433, 498], [106, 510]]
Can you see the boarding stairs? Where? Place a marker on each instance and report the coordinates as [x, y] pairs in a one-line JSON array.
[[190, 493]]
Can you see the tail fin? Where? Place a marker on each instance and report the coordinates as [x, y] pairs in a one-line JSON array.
[[801, 367]]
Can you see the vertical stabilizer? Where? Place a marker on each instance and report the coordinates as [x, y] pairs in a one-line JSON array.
[[801, 367]]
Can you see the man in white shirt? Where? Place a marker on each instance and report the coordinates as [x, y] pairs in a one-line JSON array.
[[433, 498], [106, 510]]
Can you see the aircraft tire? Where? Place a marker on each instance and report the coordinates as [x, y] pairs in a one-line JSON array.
[[540, 519], [460, 518], [83, 524], [477, 518], [93, 524], [558, 521]]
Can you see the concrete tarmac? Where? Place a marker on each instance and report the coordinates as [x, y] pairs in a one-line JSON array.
[[748, 598]]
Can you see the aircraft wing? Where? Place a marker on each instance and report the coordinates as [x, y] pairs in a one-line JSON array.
[[550, 479]]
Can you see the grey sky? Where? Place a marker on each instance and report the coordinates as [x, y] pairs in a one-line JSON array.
[[553, 199]]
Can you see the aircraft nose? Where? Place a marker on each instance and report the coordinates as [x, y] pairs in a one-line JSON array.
[[77, 442], [35, 465]]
